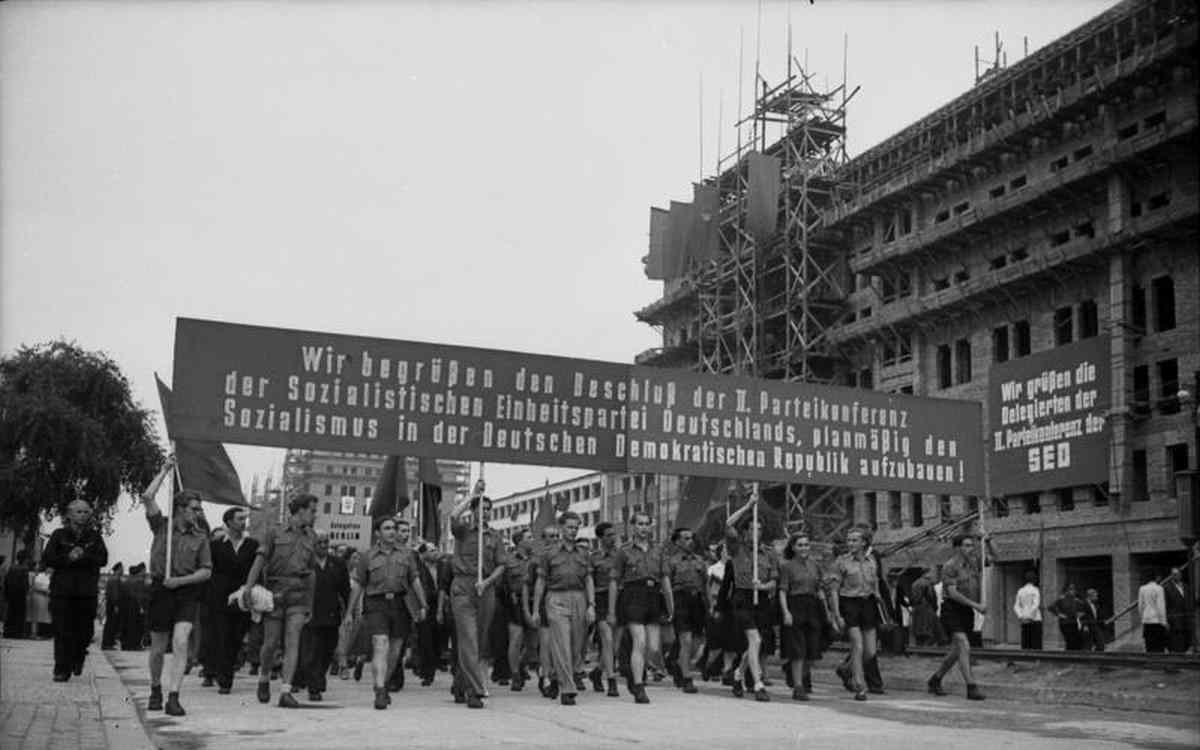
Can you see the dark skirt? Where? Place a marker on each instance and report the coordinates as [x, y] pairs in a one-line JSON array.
[[802, 639]]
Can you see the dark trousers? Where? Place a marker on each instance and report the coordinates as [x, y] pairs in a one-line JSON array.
[[1071, 637], [317, 644], [432, 641], [14, 619], [74, 623], [133, 625], [112, 626], [1092, 636], [1155, 637], [1178, 639], [1031, 636], [223, 637]]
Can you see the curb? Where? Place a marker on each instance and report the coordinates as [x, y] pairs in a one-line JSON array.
[[123, 726]]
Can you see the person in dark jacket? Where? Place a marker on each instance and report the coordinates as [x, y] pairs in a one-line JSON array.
[[1067, 610], [232, 555], [135, 598], [16, 592], [75, 552], [318, 639], [112, 607], [432, 635]]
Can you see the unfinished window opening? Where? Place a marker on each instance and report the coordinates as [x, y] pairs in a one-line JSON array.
[[1127, 132], [1000, 507], [1066, 498], [852, 379], [864, 313], [1022, 339], [905, 341], [940, 283], [962, 277], [906, 222], [1000, 344], [887, 289], [1177, 460], [1018, 182], [1156, 119], [889, 354], [1168, 379], [866, 379], [961, 208], [943, 366], [894, 503], [1020, 254], [1141, 390], [1162, 200], [889, 233], [1060, 238], [997, 192], [945, 509], [1063, 326], [962, 356], [1141, 477], [941, 216], [1032, 502], [1058, 164], [1089, 319], [918, 508], [1163, 289], [908, 389], [1137, 302], [1086, 229], [1082, 153], [1135, 209], [904, 284], [1000, 261]]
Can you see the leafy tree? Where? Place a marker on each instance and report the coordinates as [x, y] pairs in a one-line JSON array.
[[69, 428]]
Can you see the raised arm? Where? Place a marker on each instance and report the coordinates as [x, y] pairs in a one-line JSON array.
[[151, 490]]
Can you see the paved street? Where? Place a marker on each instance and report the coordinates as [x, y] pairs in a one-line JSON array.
[[428, 718]]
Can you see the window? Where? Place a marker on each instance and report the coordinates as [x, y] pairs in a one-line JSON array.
[[1086, 229], [1000, 344], [918, 509], [353, 469], [889, 232], [972, 503], [1000, 261], [1022, 339], [1168, 378], [962, 208], [367, 492], [328, 508], [1138, 306], [999, 506], [353, 491], [894, 518], [941, 283], [872, 509], [596, 489], [1060, 238], [1063, 326], [1141, 390], [962, 357], [962, 277], [1177, 460], [1141, 480], [329, 489], [866, 380], [1163, 289], [1082, 153], [1018, 182], [1089, 319], [941, 216], [944, 507], [943, 366], [887, 288], [1156, 119], [906, 221], [1020, 254], [1127, 132], [1066, 498], [344, 492], [906, 389], [1032, 502], [1058, 164], [1162, 200], [997, 191]]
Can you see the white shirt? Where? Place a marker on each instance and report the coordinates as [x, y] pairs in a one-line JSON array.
[[1152, 604], [1028, 606]]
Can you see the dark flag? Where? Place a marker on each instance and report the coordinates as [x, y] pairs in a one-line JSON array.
[[762, 209], [675, 260], [546, 515], [202, 466], [391, 492], [431, 500], [702, 234], [698, 497], [660, 225]]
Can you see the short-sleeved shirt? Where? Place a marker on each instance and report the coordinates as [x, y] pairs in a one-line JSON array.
[[289, 556], [465, 559], [743, 563], [386, 571], [853, 577], [565, 566], [800, 576], [516, 572], [688, 571], [964, 574], [632, 563], [189, 548], [602, 566]]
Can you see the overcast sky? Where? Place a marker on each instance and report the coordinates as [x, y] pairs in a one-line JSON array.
[[468, 173]]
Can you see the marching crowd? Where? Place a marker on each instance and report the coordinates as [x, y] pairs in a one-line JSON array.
[[290, 607]]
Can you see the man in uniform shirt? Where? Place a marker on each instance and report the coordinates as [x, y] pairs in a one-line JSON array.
[[75, 552], [175, 594], [750, 617], [961, 578], [516, 572], [638, 570], [854, 603], [404, 541], [535, 611], [473, 601], [565, 577], [603, 558], [232, 557], [286, 559], [688, 572], [385, 574]]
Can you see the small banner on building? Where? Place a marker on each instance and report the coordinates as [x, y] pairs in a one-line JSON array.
[[270, 386], [1047, 418]]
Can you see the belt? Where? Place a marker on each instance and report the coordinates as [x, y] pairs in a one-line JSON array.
[[581, 589], [389, 595], [647, 582]]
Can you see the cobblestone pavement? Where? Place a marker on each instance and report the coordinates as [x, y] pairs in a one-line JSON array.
[[89, 711]]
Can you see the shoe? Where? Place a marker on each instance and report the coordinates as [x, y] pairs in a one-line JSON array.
[[799, 694], [156, 702], [358, 668], [935, 685], [639, 694], [264, 692], [287, 700], [876, 691], [767, 682], [973, 693], [738, 689], [276, 673], [426, 681], [597, 680], [516, 686], [173, 707], [612, 688], [567, 699], [762, 696], [314, 696], [552, 690], [78, 669], [344, 673], [846, 677], [502, 682], [381, 699], [689, 686], [542, 686], [657, 676], [253, 670], [224, 690], [208, 682], [580, 685], [333, 670], [861, 695], [727, 678], [474, 701], [62, 676], [459, 696], [188, 669]]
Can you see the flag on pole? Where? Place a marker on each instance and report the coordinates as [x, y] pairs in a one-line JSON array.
[[202, 466], [702, 503], [391, 491], [546, 515], [431, 500]]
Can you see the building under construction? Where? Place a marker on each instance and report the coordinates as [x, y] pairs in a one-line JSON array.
[[1054, 202]]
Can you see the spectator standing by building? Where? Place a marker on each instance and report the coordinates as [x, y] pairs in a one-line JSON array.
[[135, 602], [1091, 622], [1152, 610], [1067, 609], [38, 610], [76, 552], [1028, 608], [1179, 625], [112, 608], [16, 596]]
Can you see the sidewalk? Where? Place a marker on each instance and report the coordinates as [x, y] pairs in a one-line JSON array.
[[89, 712]]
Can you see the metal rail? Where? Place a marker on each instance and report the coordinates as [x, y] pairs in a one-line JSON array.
[[1089, 658]]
